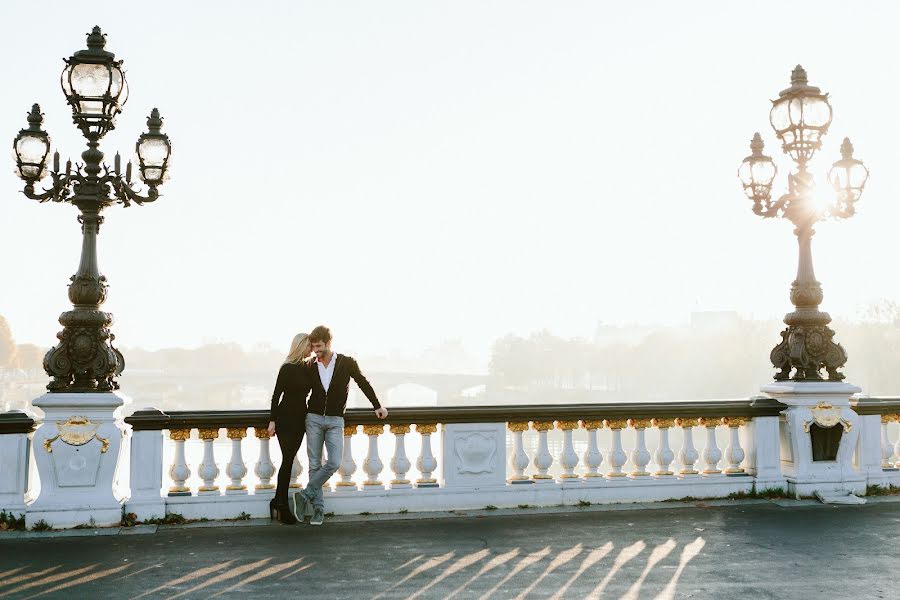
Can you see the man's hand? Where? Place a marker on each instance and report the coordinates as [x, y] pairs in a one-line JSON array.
[[271, 428], [381, 413]]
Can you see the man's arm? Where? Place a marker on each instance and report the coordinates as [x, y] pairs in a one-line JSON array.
[[363, 384]]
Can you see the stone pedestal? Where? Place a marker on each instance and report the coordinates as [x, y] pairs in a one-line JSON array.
[[818, 414], [77, 449], [474, 455]]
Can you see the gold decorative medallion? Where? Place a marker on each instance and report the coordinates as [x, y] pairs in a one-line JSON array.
[[663, 423], [77, 431], [396, 430], [640, 423], [591, 424], [567, 425], [824, 415], [426, 429], [542, 425], [518, 427], [262, 433], [616, 423], [734, 421], [686, 421]]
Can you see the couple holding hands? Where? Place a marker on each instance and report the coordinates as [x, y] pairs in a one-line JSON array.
[[309, 399]]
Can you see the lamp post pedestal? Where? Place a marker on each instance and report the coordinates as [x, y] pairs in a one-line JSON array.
[[78, 448], [819, 433]]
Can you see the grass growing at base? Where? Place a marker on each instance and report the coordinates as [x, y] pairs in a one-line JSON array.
[[9, 522], [881, 490], [41, 525], [769, 493]]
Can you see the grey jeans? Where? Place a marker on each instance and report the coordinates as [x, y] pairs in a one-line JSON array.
[[328, 432]]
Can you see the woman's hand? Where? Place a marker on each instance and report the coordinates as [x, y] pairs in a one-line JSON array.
[[271, 428]]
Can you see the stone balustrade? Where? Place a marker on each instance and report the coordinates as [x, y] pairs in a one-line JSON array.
[[221, 464]]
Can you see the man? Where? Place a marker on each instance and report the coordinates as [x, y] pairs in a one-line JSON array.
[[332, 373]]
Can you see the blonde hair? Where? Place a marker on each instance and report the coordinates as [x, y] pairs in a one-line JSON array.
[[299, 349]]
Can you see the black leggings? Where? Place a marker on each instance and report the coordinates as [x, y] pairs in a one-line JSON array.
[[290, 443]]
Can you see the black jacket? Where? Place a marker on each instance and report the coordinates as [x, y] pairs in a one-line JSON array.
[[333, 401], [291, 388]]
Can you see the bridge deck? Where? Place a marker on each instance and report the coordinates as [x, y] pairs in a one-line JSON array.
[[754, 550]]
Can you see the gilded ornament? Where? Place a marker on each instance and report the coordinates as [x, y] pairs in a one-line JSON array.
[[48, 442], [567, 425], [373, 429], [262, 433], [399, 429], [77, 431], [350, 430], [686, 421], [426, 428], [236, 433], [542, 425], [208, 433], [179, 435], [890, 418], [518, 427], [591, 424], [708, 421], [734, 421], [616, 423], [663, 423], [640, 423]]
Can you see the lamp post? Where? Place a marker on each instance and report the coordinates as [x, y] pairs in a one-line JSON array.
[[800, 117], [85, 359]]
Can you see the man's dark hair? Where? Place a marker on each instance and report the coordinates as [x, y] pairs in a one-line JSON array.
[[320, 334]]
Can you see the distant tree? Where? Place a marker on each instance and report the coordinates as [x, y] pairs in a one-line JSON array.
[[8, 358], [31, 357]]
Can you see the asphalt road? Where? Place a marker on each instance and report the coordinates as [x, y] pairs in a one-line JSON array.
[[749, 551]]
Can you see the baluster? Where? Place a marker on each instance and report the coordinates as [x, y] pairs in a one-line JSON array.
[[567, 458], [711, 453], [640, 457], [264, 468], [208, 470], [688, 454], [734, 454], [897, 446], [519, 459], [296, 472], [348, 465], [664, 454], [617, 457], [887, 448], [400, 463], [592, 456], [179, 472], [372, 465], [426, 463], [236, 469], [543, 460]]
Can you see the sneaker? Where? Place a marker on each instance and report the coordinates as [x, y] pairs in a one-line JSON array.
[[318, 517], [301, 506]]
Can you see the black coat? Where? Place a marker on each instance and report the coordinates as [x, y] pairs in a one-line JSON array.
[[333, 401], [288, 408]]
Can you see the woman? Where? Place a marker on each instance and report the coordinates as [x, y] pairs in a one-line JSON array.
[[287, 419]]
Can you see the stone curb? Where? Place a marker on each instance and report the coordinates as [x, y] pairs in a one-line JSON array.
[[457, 514]]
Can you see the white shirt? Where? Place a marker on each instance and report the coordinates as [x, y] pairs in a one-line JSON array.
[[326, 373]]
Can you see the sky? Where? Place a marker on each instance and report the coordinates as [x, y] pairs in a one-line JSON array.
[[408, 172]]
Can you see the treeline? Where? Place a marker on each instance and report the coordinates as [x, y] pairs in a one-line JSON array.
[[682, 363]]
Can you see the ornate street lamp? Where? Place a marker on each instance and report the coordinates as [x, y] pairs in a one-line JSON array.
[[85, 360], [800, 117]]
